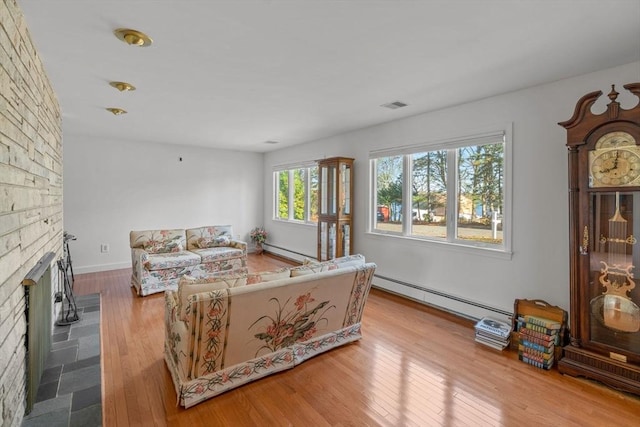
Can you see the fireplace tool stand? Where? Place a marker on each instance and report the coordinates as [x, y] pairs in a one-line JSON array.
[[69, 312]]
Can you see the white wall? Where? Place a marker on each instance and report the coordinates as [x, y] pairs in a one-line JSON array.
[[113, 187], [538, 268]]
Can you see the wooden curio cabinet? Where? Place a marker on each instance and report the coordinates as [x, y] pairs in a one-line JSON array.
[[604, 220], [335, 207]]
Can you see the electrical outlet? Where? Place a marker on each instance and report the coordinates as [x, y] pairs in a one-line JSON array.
[[104, 248]]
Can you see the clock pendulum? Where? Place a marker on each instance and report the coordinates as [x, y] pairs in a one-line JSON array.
[[614, 308]]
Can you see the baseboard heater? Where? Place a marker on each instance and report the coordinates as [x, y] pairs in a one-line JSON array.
[[289, 251], [447, 296], [413, 286]]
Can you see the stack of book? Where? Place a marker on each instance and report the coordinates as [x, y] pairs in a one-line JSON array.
[[493, 333], [538, 338]]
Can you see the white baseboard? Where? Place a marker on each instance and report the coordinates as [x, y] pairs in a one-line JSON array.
[[100, 267]]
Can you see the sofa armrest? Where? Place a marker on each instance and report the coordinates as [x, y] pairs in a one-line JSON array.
[[171, 307], [238, 244], [139, 257], [177, 335]]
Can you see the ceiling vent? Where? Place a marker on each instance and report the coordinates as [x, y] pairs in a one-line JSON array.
[[394, 105], [272, 142]]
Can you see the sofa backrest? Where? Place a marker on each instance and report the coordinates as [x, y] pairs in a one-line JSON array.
[[158, 241], [210, 236], [233, 325]]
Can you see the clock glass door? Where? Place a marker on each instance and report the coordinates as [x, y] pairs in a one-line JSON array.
[[612, 294]]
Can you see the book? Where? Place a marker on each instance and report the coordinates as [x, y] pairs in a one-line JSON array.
[[529, 343], [542, 322], [498, 345], [493, 333], [532, 352], [537, 335], [538, 364], [494, 327], [492, 338]]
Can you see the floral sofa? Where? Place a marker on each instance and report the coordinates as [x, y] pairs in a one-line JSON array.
[[160, 258], [226, 331]]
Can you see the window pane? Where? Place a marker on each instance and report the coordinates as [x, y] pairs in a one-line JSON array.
[[298, 194], [480, 193], [283, 194], [429, 194], [313, 194], [389, 194]]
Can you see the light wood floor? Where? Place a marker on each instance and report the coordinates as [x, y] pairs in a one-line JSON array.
[[415, 366]]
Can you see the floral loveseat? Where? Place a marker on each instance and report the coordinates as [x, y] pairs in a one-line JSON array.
[[226, 331], [160, 257]]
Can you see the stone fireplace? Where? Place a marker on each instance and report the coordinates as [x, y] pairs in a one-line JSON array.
[[30, 195]]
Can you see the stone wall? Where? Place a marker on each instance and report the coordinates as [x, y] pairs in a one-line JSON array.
[[30, 192]]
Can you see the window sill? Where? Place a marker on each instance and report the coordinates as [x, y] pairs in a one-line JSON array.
[[442, 244]]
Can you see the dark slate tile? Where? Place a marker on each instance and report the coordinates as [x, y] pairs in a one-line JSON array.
[[59, 418], [70, 387], [88, 347], [60, 357], [87, 417], [83, 331], [47, 391], [90, 318], [82, 363], [50, 405], [87, 397], [92, 308], [64, 344], [57, 329], [79, 379], [51, 374], [60, 337]]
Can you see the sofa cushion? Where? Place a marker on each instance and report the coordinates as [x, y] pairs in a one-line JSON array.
[[213, 242], [313, 268], [356, 260], [189, 285], [208, 237], [217, 253], [267, 276], [171, 260], [158, 241]]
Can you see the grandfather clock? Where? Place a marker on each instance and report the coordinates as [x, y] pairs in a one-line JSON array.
[[335, 207], [604, 218]]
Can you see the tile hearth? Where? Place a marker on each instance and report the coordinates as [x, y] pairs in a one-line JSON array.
[[70, 392]]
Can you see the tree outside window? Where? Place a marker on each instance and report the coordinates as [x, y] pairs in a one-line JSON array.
[[473, 172], [296, 194]]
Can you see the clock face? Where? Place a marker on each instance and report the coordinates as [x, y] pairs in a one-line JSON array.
[[614, 167], [615, 140]]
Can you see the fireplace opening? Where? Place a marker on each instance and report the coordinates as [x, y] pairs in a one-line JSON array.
[[38, 312]]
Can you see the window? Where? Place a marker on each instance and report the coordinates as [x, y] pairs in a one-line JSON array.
[[452, 191], [296, 191]]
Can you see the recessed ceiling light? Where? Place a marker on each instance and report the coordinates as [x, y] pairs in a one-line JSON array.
[[133, 37], [122, 86], [272, 142], [116, 111], [394, 105]]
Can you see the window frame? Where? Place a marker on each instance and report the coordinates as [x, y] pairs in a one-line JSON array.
[[485, 137], [291, 170]]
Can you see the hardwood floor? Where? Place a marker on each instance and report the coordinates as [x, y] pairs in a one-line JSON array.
[[415, 366]]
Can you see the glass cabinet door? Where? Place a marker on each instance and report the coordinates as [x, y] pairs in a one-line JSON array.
[[345, 189], [328, 240], [324, 190], [335, 206], [612, 294]]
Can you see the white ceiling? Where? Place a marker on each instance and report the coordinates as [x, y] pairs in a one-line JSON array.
[[234, 74]]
